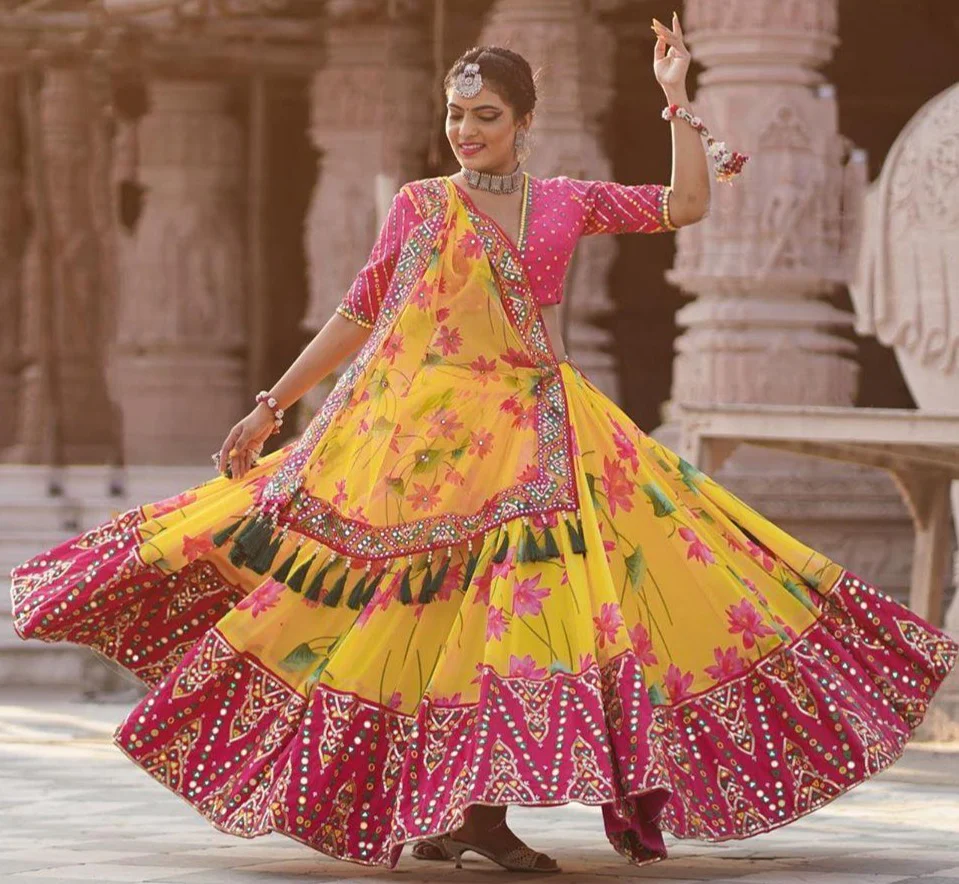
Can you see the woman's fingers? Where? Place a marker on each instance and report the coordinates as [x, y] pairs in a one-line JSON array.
[[667, 35], [674, 40], [242, 447], [677, 27], [240, 444], [228, 443], [659, 52], [246, 462]]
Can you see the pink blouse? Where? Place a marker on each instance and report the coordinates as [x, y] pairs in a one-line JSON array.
[[557, 212]]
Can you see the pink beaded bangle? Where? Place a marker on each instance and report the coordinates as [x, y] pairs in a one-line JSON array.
[[727, 163], [270, 402]]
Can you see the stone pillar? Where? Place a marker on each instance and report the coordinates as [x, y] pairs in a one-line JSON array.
[[179, 370], [774, 244], [11, 248], [370, 118], [65, 412], [575, 51]]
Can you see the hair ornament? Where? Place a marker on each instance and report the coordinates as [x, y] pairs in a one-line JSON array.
[[469, 82]]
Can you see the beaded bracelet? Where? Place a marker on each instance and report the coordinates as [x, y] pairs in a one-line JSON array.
[[726, 163], [270, 402]]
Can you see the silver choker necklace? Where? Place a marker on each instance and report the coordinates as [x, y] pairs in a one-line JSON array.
[[493, 183]]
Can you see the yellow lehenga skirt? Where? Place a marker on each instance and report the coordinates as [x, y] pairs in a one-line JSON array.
[[475, 580]]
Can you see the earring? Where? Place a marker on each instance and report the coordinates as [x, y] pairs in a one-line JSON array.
[[521, 145]]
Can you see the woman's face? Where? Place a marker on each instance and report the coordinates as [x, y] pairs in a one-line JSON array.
[[481, 130]]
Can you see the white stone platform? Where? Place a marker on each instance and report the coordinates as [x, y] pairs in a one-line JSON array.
[[72, 810]]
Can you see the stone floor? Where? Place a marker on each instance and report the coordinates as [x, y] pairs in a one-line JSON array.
[[72, 809]]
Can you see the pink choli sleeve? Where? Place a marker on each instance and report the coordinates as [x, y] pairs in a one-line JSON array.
[[611, 207], [362, 302]]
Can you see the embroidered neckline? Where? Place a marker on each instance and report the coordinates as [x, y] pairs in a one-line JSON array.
[[520, 243]]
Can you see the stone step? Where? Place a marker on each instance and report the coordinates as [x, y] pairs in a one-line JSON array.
[[66, 515], [32, 519]]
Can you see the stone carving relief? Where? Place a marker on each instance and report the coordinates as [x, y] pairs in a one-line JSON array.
[[182, 327], [370, 122], [64, 319], [369, 117], [182, 276], [906, 286], [338, 245], [906, 290], [353, 11], [11, 248], [809, 15]]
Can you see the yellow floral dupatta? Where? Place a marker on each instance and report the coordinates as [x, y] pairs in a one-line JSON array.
[[451, 421]]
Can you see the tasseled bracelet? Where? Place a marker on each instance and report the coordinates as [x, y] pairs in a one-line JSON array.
[[726, 163]]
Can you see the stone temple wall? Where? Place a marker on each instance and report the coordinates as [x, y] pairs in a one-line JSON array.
[[145, 306]]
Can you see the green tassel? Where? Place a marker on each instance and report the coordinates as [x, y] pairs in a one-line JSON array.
[[575, 537], [312, 593], [429, 590], [372, 587], [299, 575], [355, 601], [426, 584], [579, 542], [257, 542], [224, 534], [550, 547], [441, 576], [264, 561], [406, 591], [332, 598], [281, 573], [531, 549], [500, 554], [248, 529], [251, 541], [470, 571], [237, 555]]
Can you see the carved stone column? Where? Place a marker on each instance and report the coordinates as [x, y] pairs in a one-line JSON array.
[[181, 330], [774, 244], [11, 248], [575, 50], [65, 412], [370, 121]]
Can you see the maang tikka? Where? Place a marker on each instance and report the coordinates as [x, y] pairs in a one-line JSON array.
[[469, 81]]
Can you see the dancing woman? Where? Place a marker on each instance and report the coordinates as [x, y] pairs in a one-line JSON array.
[[473, 582]]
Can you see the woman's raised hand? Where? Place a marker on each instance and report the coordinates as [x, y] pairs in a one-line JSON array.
[[245, 441], [670, 64]]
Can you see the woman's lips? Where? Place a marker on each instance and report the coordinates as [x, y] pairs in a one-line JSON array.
[[470, 149]]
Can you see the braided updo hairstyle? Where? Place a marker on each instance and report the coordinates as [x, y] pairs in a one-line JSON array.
[[506, 72]]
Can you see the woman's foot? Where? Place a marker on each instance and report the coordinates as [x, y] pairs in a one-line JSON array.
[[432, 848], [485, 831]]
